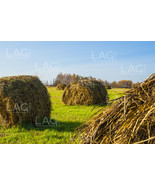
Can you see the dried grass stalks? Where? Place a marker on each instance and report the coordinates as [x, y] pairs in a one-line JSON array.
[[60, 86], [22, 99], [86, 92], [130, 119], [107, 86]]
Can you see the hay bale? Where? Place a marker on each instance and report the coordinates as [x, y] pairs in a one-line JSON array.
[[60, 86], [107, 86], [22, 99], [130, 119], [86, 92]]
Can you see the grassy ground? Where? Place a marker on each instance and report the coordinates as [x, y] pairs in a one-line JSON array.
[[68, 119]]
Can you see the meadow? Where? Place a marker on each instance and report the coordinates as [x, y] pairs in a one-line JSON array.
[[68, 118]]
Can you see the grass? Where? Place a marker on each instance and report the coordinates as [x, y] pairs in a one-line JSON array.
[[68, 119]]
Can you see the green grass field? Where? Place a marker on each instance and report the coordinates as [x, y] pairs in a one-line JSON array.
[[68, 119]]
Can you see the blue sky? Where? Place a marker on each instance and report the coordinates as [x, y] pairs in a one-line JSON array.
[[105, 60]]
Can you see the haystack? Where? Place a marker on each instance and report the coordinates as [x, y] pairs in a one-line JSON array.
[[60, 86], [130, 119], [22, 99], [107, 86], [86, 92]]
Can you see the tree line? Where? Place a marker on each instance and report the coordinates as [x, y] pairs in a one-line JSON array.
[[69, 78]]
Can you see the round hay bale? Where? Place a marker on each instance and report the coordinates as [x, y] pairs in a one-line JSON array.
[[129, 120], [60, 86], [107, 86], [22, 100], [86, 92]]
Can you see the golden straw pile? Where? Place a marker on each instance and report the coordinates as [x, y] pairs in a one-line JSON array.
[[129, 120]]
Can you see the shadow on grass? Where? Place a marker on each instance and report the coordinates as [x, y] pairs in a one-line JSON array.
[[59, 126]]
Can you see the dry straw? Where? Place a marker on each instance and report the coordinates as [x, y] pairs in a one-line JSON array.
[[129, 120], [22, 99], [60, 86], [107, 86], [86, 92]]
